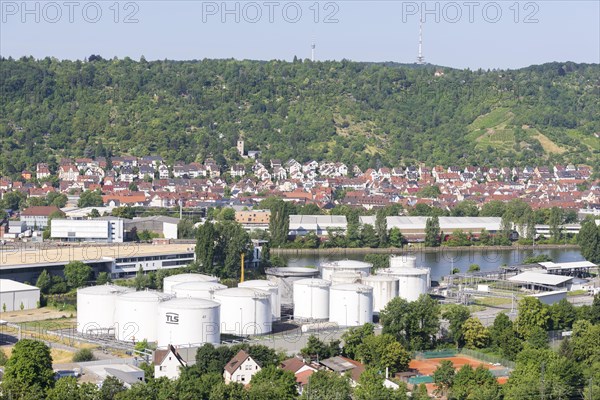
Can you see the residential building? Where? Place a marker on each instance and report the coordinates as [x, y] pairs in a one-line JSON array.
[[168, 363], [37, 217], [241, 368]]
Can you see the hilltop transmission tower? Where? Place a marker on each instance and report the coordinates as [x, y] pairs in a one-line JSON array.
[[312, 52], [420, 58]]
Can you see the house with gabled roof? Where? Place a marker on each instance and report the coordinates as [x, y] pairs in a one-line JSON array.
[[241, 368], [168, 363]]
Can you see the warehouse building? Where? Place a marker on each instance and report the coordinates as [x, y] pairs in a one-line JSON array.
[[108, 230], [413, 228], [15, 296], [164, 226], [301, 225]]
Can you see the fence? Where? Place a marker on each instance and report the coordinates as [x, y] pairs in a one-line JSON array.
[[423, 355], [490, 358], [417, 380]]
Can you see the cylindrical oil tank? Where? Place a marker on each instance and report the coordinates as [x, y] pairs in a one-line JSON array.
[[351, 304], [329, 268], [385, 288], [135, 315], [346, 277], [173, 280], [197, 290], [285, 277], [96, 308], [188, 322], [413, 282], [245, 311], [270, 287], [311, 299], [403, 261]]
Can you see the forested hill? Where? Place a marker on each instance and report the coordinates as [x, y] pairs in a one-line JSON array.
[[358, 113]]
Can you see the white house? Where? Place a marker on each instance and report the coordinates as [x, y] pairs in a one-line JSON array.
[[168, 363], [241, 368]]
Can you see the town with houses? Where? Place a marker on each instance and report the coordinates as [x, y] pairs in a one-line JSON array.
[[151, 182]]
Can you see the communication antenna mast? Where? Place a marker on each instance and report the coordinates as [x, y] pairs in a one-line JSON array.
[[420, 58], [312, 53]]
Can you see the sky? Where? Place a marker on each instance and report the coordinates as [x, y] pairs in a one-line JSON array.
[[462, 34]]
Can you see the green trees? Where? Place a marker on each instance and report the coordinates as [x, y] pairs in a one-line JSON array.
[[443, 377], [77, 274], [219, 246], [414, 324], [326, 385], [432, 232], [279, 224], [371, 388], [90, 198], [543, 374], [383, 352], [475, 334], [589, 241], [317, 350], [381, 227], [44, 282], [532, 313], [28, 371], [273, 383], [555, 221], [503, 337], [474, 384], [205, 246], [456, 314], [353, 337]]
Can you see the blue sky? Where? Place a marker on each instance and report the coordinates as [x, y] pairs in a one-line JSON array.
[[479, 34]]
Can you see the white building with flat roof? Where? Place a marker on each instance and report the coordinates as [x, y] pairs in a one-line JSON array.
[[88, 230], [301, 225], [414, 227], [15, 296]]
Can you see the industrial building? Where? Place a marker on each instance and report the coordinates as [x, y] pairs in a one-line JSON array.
[[301, 225], [538, 280], [16, 296], [120, 260], [164, 226], [109, 230], [413, 228]]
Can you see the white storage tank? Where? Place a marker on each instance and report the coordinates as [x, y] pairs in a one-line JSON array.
[[245, 311], [135, 315], [311, 299], [346, 277], [270, 287], [96, 308], [329, 268], [188, 322], [351, 304], [285, 277], [173, 280], [197, 290], [413, 282], [385, 288], [403, 261]]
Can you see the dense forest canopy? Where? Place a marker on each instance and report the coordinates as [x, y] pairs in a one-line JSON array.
[[368, 114]]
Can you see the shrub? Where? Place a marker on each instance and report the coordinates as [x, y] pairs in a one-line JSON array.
[[83, 355]]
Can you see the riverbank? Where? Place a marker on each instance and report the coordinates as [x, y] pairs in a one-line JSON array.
[[417, 249]]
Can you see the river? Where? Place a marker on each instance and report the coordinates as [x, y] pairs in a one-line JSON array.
[[441, 263]]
